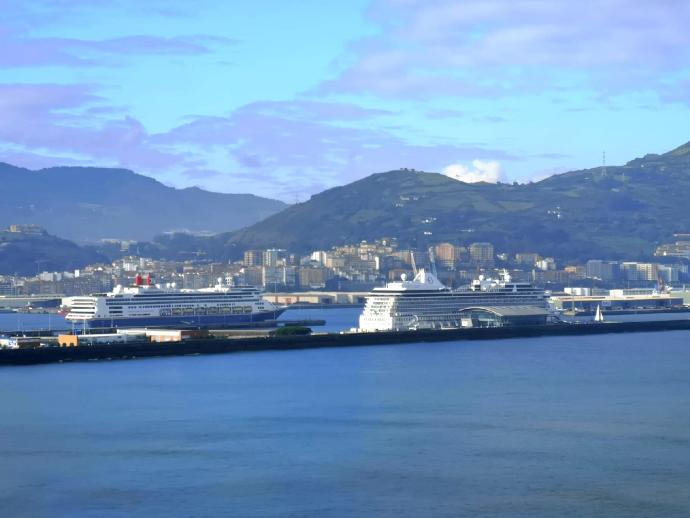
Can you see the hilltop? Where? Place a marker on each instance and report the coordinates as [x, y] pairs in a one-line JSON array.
[[27, 254], [621, 212], [89, 203]]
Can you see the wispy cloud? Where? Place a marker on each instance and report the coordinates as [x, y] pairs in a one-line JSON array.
[[299, 149], [38, 13], [276, 148], [39, 119], [436, 83], [26, 51], [494, 47]]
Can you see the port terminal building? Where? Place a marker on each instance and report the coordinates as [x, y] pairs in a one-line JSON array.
[[618, 300], [318, 298], [124, 336], [503, 316]]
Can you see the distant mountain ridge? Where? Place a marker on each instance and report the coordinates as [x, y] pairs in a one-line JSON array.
[[90, 203], [619, 212], [27, 254]]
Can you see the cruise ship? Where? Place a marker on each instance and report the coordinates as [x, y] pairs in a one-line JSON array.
[[426, 303], [153, 305]]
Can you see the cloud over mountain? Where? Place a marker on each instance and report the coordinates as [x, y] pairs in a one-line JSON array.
[[284, 103], [285, 149], [478, 171]]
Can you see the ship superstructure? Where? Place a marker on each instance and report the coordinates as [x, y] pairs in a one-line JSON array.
[[426, 303], [153, 305]]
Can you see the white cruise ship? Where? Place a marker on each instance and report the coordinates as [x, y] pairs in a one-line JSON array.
[[150, 305], [426, 303]]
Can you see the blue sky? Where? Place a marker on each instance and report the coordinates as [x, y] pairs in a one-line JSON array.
[[284, 99]]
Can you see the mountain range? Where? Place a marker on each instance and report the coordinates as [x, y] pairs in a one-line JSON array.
[[27, 254], [607, 212], [88, 204]]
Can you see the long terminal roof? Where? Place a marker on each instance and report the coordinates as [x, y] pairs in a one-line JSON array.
[[510, 311]]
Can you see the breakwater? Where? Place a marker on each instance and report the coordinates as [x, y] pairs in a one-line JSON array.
[[233, 345]]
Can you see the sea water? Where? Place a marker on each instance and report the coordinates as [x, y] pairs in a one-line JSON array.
[[540, 427]]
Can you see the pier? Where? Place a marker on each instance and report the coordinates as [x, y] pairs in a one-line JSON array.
[[265, 324], [319, 340]]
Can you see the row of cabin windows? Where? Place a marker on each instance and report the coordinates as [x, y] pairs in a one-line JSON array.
[[130, 306]]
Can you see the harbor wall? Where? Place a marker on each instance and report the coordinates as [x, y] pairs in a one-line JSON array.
[[230, 345]]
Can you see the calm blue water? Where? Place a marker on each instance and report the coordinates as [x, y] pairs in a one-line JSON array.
[[576, 426], [567, 426], [30, 321]]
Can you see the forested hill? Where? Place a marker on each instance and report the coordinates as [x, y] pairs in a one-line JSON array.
[[622, 211], [27, 254]]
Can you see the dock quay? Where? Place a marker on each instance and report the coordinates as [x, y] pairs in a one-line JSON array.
[[640, 311], [13, 303], [263, 325], [227, 344]]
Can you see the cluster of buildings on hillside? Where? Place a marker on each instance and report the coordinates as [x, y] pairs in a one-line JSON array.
[[680, 248], [351, 267], [27, 229]]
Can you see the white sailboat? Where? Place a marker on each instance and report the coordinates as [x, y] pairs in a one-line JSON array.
[[598, 316]]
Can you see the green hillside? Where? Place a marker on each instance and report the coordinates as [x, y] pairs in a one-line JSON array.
[[26, 254], [581, 214]]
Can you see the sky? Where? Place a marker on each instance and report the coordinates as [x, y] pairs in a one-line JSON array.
[[286, 99]]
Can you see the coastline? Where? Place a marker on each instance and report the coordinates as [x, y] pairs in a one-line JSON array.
[[9, 357]]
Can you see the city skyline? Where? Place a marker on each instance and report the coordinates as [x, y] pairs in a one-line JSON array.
[[285, 102], [351, 266]]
